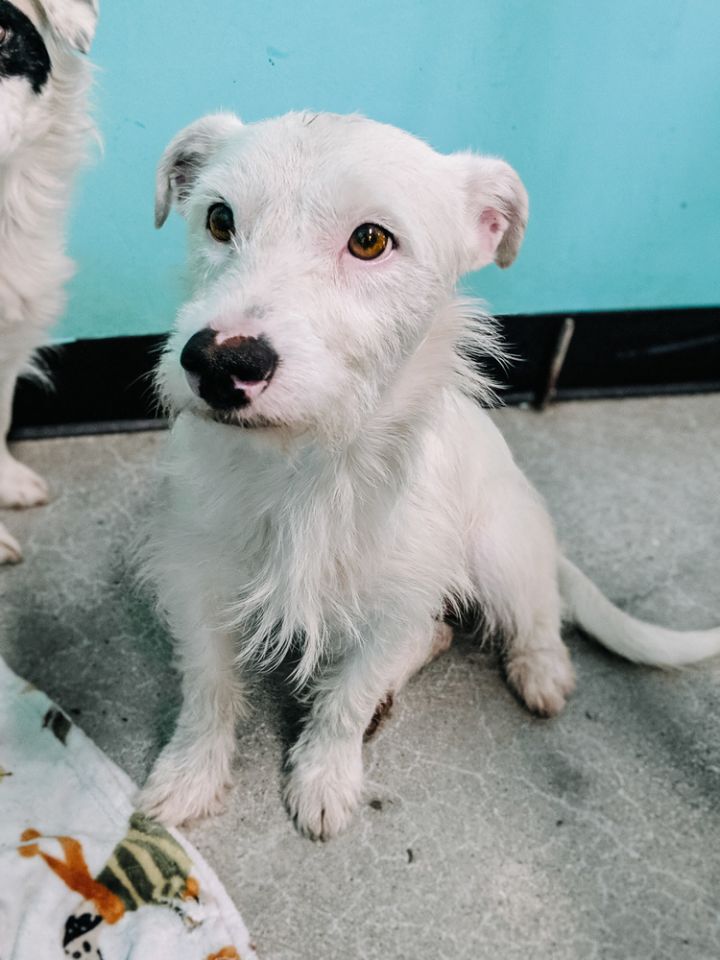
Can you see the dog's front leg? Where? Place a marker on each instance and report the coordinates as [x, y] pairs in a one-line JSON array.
[[191, 774], [19, 485], [10, 551], [325, 778]]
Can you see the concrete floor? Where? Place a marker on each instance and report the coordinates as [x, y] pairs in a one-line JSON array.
[[486, 833]]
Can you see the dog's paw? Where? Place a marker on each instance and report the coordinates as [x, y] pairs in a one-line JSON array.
[[180, 790], [10, 551], [20, 486], [543, 678], [324, 787]]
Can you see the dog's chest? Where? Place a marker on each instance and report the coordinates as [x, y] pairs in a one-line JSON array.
[[301, 539], [306, 539]]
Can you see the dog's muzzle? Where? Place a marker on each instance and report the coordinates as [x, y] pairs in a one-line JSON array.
[[230, 374]]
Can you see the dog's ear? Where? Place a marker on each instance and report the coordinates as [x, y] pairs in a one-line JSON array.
[[497, 206], [74, 21], [186, 155]]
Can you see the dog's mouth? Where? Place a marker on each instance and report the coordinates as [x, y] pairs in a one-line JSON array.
[[234, 418], [238, 418]]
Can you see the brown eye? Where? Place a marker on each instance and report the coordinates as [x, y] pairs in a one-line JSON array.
[[3, 34], [368, 241], [220, 222]]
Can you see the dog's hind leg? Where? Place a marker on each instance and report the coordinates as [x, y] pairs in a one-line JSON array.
[[441, 642], [191, 774], [513, 555]]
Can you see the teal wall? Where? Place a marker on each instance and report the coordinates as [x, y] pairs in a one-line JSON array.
[[610, 111]]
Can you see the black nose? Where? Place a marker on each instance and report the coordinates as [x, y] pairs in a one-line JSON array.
[[229, 374]]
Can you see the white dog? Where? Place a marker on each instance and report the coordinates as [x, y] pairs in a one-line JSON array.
[[44, 127], [332, 484]]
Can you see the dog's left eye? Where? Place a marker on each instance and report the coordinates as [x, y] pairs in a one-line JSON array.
[[220, 222], [3, 34], [369, 241]]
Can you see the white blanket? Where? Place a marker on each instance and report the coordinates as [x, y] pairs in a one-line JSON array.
[[83, 876]]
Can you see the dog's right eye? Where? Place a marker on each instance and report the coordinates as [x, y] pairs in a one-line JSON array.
[[221, 223], [3, 34]]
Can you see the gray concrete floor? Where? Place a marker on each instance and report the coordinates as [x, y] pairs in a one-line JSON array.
[[486, 833]]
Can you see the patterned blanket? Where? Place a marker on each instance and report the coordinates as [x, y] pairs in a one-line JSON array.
[[84, 875]]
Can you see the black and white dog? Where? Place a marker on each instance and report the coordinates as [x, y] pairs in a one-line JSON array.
[[44, 128]]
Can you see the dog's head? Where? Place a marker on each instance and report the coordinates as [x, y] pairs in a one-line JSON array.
[[33, 35], [323, 249]]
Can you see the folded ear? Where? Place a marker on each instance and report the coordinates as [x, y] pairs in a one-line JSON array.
[[73, 21], [497, 209], [186, 155]]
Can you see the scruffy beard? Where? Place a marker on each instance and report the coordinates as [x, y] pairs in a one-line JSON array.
[[235, 418]]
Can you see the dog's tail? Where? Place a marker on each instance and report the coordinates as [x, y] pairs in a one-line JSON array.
[[630, 638]]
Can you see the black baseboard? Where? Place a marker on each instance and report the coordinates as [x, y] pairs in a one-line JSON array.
[[105, 385], [95, 386]]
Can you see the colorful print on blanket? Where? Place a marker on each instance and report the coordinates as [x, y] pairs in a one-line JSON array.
[[86, 876], [148, 866]]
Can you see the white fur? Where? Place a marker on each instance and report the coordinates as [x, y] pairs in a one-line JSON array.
[[43, 140], [364, 489]]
